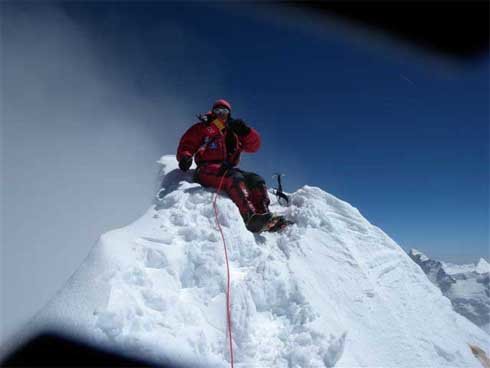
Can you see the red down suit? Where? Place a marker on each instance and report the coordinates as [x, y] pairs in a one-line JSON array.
[[216, 151]]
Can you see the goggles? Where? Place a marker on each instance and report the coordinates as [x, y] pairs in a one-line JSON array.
[[221, 110]]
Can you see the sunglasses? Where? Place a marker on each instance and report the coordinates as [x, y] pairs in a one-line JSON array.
[[221, 110]]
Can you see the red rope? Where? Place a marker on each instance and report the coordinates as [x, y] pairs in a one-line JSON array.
[[228, 308]]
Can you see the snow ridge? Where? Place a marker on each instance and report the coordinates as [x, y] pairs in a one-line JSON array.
[[331, 290]]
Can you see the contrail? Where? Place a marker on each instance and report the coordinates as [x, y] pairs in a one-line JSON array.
[[408, 80]]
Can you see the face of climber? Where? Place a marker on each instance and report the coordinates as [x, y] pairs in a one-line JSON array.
[[221, 112]]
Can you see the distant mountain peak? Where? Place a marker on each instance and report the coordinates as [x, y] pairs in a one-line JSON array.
[[416, 253], [482, 266], [467, 286]]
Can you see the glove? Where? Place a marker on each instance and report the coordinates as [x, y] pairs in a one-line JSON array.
[[185, 163], [239, 127], [205, 118]]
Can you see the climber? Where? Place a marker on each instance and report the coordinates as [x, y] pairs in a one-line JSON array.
[[216, 142]]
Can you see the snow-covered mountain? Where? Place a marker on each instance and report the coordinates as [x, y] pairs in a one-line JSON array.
[[467, 286], [481, 267], [331, 290], [434, 270]]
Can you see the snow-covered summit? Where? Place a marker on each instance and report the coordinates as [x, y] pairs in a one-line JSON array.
[[482, 266], [331, 290]]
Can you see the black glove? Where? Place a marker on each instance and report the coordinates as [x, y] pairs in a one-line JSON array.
[[239, 127], [185, 163]]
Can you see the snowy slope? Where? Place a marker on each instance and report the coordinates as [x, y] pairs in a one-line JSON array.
[[467, 286], [332, 290]]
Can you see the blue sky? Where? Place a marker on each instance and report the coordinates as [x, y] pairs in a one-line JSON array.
[[400, 135]]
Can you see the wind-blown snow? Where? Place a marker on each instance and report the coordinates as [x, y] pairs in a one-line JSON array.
[[331, 290]]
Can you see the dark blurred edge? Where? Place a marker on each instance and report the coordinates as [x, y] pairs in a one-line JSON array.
[[457, 29], [50, 349]]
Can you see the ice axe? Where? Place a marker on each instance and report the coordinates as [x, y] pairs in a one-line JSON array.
[[282, 198]]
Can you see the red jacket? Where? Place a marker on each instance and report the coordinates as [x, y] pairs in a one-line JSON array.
[[207, 143]]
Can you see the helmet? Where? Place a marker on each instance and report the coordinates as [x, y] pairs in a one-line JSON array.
[[222, 103]]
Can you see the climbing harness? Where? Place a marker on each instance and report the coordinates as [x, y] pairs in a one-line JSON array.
[[228, 295]]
